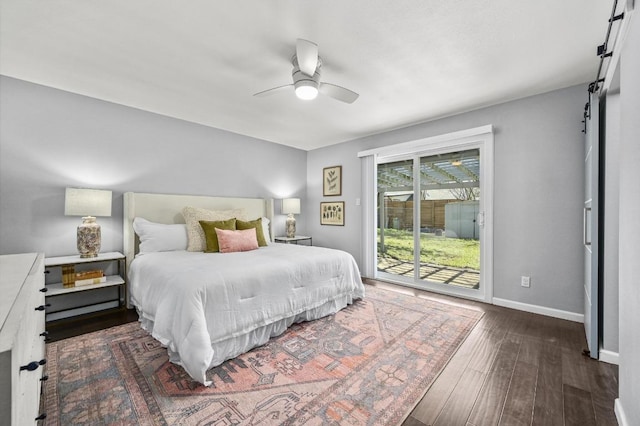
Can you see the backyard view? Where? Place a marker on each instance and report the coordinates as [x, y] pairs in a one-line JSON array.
[[446, 260], [439, 250], [437, 196]]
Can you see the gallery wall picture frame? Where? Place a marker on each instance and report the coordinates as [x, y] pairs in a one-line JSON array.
[[332, 181], [332, 213]]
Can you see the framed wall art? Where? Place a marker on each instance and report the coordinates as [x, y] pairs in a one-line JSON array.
[[332, 213], [332, 181]]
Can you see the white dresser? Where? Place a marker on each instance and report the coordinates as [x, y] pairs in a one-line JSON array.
[[22, 346]]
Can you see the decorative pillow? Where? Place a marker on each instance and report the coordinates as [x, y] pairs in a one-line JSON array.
[[257, 224], [193, 216], [209, 229], [265, 229], [233, 241], [156, 237]]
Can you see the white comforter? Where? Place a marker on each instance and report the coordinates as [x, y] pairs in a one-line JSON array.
[[210, 307]]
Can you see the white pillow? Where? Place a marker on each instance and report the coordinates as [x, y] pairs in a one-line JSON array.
[[193, 216], [265, 230], [156, 237]]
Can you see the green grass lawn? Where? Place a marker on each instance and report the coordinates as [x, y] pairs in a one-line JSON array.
[[453, 252]]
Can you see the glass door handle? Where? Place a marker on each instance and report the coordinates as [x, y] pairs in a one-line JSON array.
[[585, 226], [480, 219]]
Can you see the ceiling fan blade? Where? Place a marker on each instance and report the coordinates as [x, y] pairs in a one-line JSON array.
[[338, 92], [307, 54], [270, 92]]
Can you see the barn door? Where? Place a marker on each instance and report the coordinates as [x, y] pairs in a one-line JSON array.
[[590, 225]]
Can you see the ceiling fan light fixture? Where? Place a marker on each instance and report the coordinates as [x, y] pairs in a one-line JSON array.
[[306, 78], [306, 90]]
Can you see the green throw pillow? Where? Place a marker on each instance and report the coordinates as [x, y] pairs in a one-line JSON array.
[[209, 228], [241, 224]]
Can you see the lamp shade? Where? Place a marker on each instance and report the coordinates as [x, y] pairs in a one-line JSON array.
[[87, 202], [291, 206]]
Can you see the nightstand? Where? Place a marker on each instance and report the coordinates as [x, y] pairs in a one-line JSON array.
[[293, 240], [105, 261]]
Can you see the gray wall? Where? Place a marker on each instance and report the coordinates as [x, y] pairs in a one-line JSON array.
[[629, 249], [50, 139], [538, 193]]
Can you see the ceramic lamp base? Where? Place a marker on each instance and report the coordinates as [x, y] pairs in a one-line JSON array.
[[89, 237], [291, 226]]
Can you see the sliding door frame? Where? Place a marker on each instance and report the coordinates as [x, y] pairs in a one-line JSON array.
[[477, 138]]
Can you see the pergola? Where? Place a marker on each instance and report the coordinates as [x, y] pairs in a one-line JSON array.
[[447, 171]]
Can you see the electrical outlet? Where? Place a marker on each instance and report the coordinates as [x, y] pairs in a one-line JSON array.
[[525, 281]]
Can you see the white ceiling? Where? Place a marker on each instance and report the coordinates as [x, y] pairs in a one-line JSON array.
[[202, 60]]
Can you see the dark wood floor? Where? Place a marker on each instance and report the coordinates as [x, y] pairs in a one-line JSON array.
[[515, 368], [82, 324]]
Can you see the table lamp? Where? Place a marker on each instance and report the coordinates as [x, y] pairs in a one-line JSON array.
[[88, 203], [291, 206]]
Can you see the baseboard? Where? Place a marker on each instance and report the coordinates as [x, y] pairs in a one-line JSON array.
[[542, 310], [608, 356], [622, 418]]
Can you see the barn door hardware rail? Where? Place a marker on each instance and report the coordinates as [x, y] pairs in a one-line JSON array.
[[601, 51]]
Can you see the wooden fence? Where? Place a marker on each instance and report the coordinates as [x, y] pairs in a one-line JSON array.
[[399, 214]]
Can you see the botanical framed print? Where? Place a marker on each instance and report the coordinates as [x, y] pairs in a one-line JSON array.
[[332, 181], [332, 213]]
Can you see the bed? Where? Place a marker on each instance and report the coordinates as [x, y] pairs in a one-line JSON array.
[[206, 308]]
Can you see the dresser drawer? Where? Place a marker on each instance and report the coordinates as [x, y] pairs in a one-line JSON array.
[[22, 348], [29, 383]]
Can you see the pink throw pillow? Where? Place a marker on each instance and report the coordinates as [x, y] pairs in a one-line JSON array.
[[233, 241]]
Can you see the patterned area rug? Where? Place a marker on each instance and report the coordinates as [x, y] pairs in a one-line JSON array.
[[371, 363]]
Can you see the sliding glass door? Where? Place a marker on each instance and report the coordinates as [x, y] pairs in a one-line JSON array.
[[396, 248], [449, 226], [427, 218], [430, 216]]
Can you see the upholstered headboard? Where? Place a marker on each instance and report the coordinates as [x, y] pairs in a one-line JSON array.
[[167, 208]]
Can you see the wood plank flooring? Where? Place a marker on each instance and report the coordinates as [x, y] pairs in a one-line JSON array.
[[515, 368], [82, 324]]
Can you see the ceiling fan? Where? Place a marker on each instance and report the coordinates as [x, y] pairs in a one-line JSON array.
[[306, 77]]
